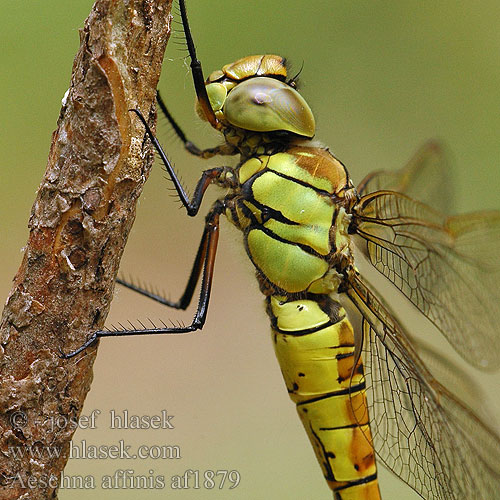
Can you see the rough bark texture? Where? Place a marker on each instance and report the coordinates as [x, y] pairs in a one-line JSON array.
[[79, 224]]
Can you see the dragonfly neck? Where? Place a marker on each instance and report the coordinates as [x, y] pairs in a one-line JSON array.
[[250, 143]]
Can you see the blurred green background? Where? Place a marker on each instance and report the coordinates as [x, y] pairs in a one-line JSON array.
[[381, 77]]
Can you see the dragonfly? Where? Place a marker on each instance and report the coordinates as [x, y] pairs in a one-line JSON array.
[[365, 395]]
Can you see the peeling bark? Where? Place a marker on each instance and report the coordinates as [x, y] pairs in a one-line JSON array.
[[82, 215]]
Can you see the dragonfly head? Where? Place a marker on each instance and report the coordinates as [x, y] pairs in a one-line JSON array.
[[253, 94]]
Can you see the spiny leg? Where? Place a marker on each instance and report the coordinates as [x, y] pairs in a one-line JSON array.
[[192, 148], [208, 250], [197, 72], [192, 206], [225, 149], [186, 297], [202, 96], [208, 176]]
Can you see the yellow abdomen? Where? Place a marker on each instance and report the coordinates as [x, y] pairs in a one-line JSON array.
[[315, 350]]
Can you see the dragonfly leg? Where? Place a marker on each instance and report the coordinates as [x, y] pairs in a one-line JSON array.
[[186, 297], [223, 149], [192, 206], [197, 72], [205, 260]]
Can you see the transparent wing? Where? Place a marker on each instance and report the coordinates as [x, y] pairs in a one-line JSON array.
[[451, 375], [420, 431], [449, 267], [425, 178]]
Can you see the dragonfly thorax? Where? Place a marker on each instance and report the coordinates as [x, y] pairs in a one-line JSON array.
[[293, 208]]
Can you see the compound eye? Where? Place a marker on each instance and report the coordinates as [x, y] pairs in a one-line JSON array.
[[263, 104]]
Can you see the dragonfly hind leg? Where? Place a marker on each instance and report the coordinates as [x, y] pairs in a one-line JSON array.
[[205, 259], [198, 264]]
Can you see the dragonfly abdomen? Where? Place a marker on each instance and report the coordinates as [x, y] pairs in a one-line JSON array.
[[314, 344], [293, 208]]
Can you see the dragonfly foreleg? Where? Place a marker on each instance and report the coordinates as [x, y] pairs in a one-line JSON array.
[[205, 259], [223, 149], [197, 72]]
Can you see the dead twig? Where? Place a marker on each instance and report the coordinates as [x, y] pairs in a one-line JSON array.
[[85, 207]]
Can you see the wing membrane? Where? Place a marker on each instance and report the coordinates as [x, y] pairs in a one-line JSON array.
[[423, 434], [424, 178], [450, 375], [449, 267]]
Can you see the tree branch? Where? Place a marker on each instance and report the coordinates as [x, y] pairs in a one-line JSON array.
[[82, 215]]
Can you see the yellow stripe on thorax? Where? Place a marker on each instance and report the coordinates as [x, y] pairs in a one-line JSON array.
[[316, 355]]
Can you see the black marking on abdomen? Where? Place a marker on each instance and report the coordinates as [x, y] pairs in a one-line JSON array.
[[344, 355], [348, 426], [357, 482], [342, 392], [305, 331]]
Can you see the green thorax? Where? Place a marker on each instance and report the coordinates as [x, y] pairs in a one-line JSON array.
[[293, 208]]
